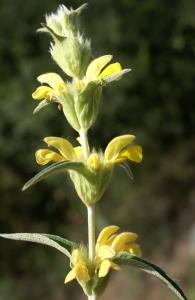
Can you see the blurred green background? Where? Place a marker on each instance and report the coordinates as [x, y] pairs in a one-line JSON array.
[[155, 102]]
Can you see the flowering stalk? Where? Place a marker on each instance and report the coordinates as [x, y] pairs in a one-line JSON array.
[[90, 209], [89, 170]]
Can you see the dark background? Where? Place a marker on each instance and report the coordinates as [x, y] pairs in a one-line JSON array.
[[155, 102]]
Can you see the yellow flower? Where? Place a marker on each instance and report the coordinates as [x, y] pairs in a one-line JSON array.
[[56, 85], [120, 149], [79, 98], [117, 151], [53, 91], [96, 71], [109, 245], [79, 269], [66, 151], [91, 175]]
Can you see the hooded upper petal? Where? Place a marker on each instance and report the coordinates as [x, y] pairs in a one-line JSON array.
[[53, 80], [96, 66], [62, 145], [123, 239], [116, 145], [106, 233]]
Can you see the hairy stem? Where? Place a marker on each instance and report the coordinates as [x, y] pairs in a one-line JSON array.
[[90, 209], [84, 143], [92, 297], [91, 231], [91, 239]]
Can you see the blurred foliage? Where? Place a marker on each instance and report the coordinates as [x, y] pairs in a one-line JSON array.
[[155, 102]]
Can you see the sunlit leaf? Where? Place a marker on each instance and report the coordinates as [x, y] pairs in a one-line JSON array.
[[36, 238], [69, 245], [56, 168], [129, 259]]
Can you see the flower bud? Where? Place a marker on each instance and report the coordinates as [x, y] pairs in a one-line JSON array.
[[94, 161], [70, 50], [64, 22]]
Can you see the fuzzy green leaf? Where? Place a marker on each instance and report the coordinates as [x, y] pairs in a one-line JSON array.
[[37, 238], [55, 169], [127, 258], [69, 245]]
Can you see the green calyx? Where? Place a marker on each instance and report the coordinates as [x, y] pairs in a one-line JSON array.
[[91, 189], [81, 107], [89, 184]]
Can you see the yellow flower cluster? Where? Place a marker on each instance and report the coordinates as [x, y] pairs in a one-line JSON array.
[[117, 151], [108, 246], [94, 73], [80, 97]]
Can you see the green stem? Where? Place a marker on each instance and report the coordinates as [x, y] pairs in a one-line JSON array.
[[90, 209], [92, 297], [91, 231], [91, 239], [84, 143]]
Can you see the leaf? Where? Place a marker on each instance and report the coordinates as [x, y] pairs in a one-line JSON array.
[[127, 169], [36, 238], [69, 245], [115, 76], [40, 106], [81, 8], [56, 168], [127, 258], [47, 29]]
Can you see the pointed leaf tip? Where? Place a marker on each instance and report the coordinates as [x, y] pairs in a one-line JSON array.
[[56, 168], [36, 238], [148, 267]]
